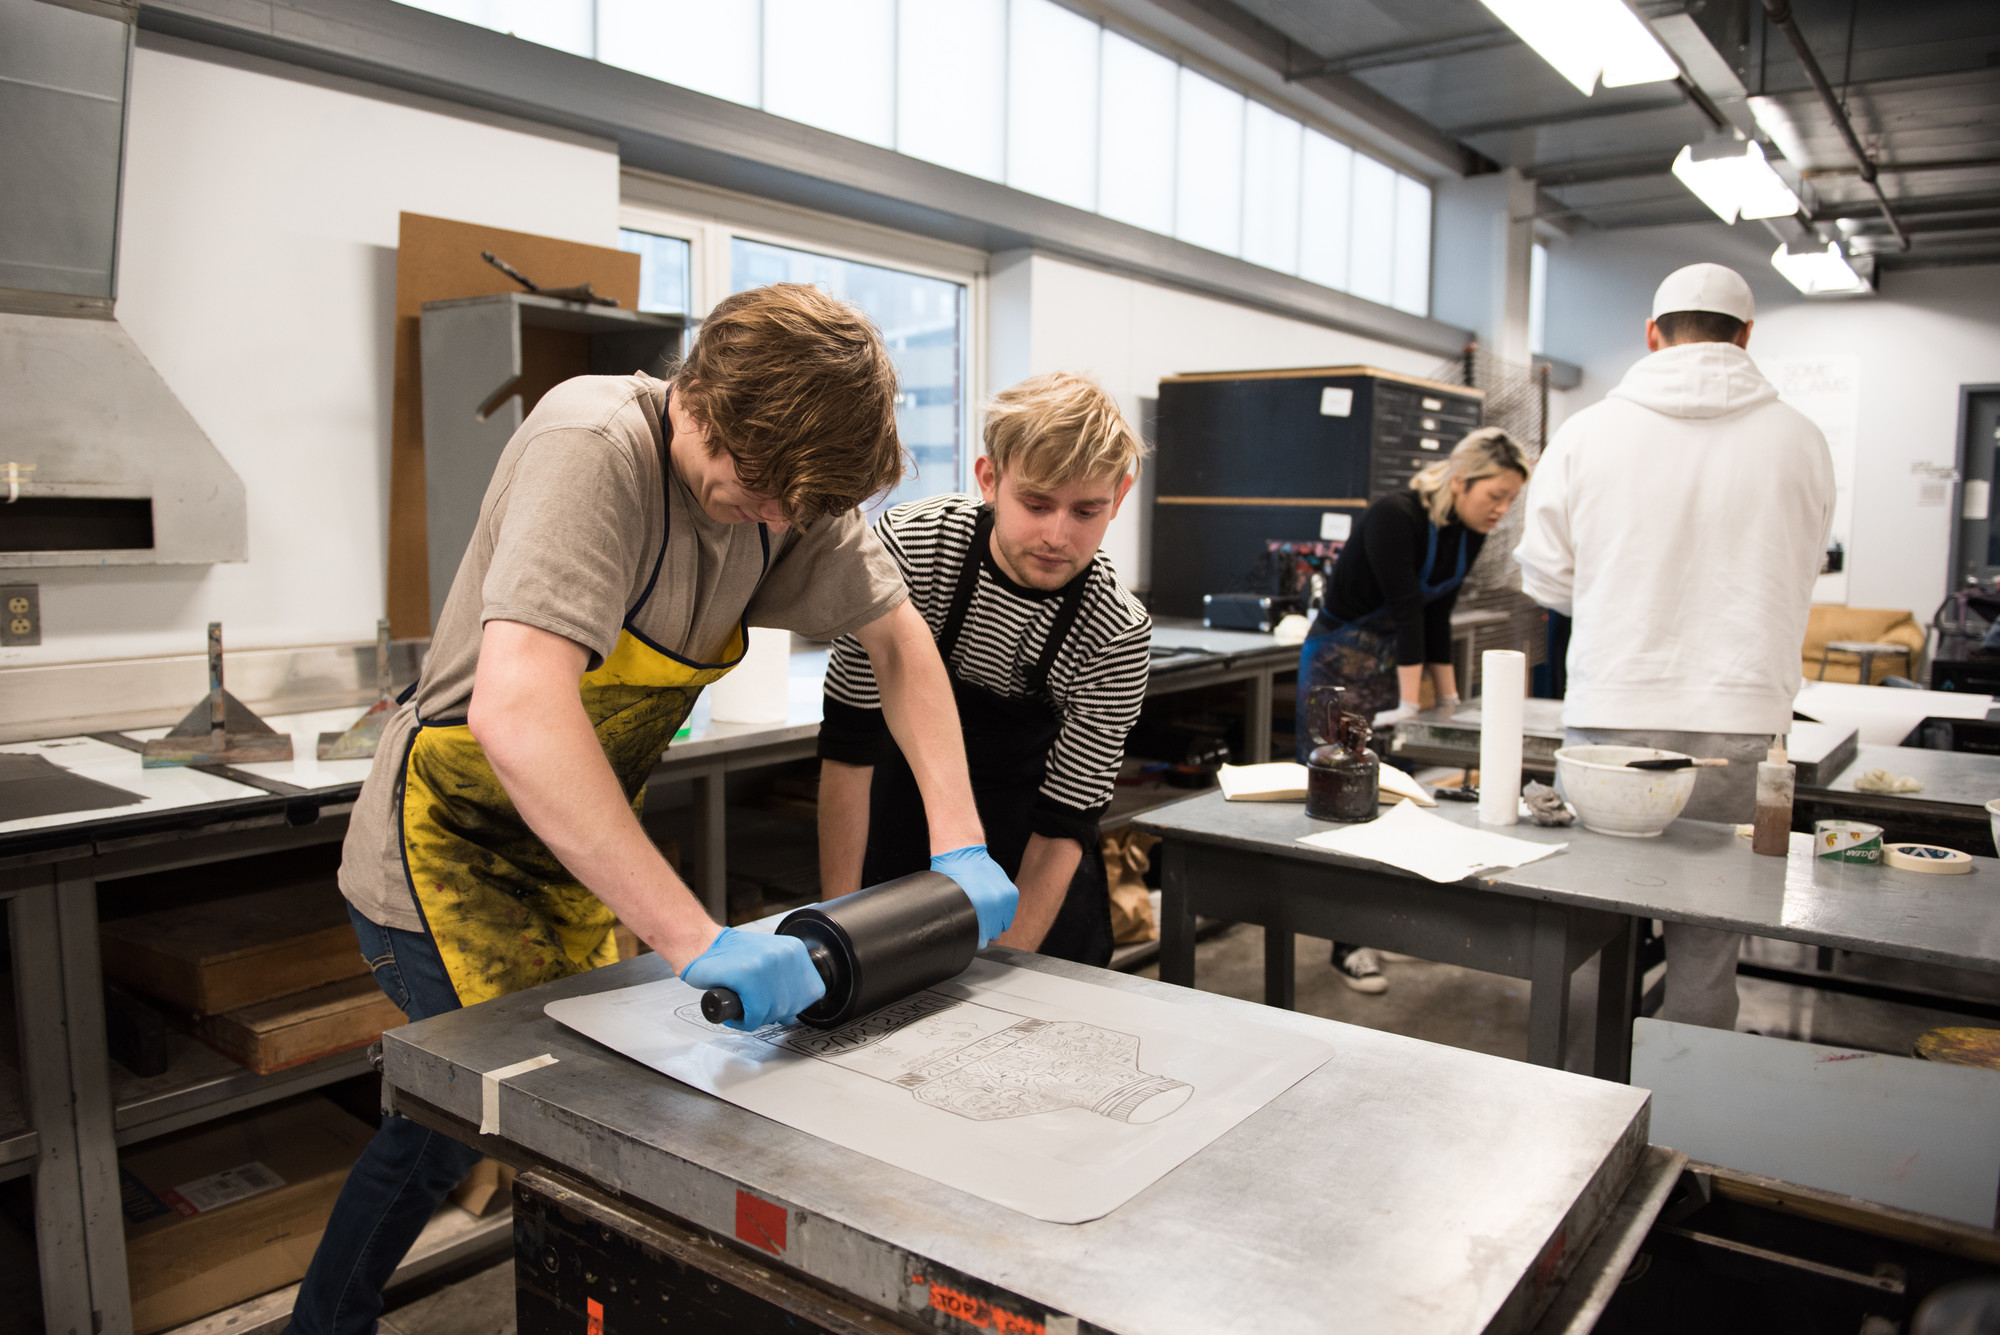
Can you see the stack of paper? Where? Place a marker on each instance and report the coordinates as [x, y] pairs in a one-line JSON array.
[[1285, 781], [1430, 846]]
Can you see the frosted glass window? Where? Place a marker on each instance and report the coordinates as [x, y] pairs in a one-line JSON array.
[[1208, 186], [1371, 269], [664, 266], [1538, 298], [922, 319], [1413, 247], [951, 84], [1135, 182], [1326, 201], [562, 24], [711, 46], [1271, 147], [1052, 103], [833, 65]]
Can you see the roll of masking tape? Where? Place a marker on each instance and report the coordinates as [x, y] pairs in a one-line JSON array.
[[1926, 857], [1847, 841]]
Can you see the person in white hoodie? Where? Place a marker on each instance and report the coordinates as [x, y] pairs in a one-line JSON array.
[[1681, 522]]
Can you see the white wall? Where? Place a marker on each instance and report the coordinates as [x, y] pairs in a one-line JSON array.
[[258, 272], [1126, 334], [1926, 332]]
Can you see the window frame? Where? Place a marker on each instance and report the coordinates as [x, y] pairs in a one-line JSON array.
[[708, 219]]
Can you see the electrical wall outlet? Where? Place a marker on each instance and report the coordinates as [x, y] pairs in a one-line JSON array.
[[20, 614]]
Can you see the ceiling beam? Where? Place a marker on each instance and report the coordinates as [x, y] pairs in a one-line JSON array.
[[1412, 53], [1596, 171], [1592, 112]]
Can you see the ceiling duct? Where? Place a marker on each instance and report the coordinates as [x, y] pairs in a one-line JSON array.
[[100, 463]]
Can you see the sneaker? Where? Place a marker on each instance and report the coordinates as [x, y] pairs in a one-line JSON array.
[[1362, 971]]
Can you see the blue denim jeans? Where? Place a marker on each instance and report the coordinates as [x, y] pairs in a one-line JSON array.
[[403, 1175]]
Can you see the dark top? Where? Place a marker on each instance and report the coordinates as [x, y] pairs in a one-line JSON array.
[[1382, 565]]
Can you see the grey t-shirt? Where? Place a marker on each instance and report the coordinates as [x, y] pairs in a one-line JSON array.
[[568, 541]]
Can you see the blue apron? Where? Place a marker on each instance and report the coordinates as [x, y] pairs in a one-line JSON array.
[[1361, 654]]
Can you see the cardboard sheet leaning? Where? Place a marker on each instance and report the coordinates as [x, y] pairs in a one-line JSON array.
[[1057, 1098]]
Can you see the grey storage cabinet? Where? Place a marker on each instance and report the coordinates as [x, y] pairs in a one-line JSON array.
[[486, 363]]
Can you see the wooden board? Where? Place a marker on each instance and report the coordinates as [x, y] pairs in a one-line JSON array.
[[273, 1035], [437, 259], [229, 953]]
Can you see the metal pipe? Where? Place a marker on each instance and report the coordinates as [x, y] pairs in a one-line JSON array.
[[1780, 13]]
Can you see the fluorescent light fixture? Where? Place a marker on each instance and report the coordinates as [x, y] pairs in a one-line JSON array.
[[1732, 177], [1586, 39], [1818, 271]]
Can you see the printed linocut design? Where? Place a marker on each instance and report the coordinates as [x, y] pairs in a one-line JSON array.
[[987, 1064]]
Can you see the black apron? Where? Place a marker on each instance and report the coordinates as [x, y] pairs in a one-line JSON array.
[[1006, 751]]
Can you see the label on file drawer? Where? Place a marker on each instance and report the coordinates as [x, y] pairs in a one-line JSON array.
[[1336, 402]]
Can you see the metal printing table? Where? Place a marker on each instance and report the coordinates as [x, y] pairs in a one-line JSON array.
[[75, 1107], [1451, 737], [1241, 861], [1950, 810], [1404, 1186], [1200, 657]]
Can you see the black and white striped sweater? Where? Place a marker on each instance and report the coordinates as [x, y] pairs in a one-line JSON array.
[[1096, 684]]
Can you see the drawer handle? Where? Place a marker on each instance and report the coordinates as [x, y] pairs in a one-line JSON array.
[[1433, 405]]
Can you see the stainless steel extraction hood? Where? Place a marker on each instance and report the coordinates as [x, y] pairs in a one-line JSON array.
[[100, 464]]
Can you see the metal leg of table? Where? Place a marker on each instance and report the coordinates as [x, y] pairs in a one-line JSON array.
[[1548, 986], [59, 1220], [1176, 917], [1616, 965], [96, 1125], [1280, 969], [1257, 717], [711, 800]]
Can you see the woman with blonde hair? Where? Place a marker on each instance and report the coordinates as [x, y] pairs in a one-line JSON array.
[[1387, 614]]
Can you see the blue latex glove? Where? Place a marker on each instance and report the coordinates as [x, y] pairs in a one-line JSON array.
[[772, 975], [993, 896]]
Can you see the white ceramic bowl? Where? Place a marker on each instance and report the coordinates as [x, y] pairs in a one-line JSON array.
[[1611, 799], [1993, 818]]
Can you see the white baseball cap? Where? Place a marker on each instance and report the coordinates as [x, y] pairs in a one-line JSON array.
[[1706, 287]]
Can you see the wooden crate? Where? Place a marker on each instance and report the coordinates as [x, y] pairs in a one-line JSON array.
[[273, 1035], [230, 953]]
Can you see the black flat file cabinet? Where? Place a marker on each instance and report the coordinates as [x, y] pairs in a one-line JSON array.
[[1246, 457]]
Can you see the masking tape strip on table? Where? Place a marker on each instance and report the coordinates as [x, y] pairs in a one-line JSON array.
[[489, 1090], [1927, 857]]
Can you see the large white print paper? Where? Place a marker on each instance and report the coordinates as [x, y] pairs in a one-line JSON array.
[[1060, 1099]]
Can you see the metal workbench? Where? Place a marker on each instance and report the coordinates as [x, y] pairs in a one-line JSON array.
[[1243, 861], [75, 1108], [1950, 810], [1451, 737], [1404, 1186], [1188, 655]]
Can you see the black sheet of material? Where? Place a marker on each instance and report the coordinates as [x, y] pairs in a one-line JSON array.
[[32, 786]]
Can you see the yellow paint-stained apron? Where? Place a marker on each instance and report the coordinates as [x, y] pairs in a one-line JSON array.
[[504, 912]]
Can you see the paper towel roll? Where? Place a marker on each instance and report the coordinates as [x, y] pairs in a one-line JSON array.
[[1503, 685], [756, 691]]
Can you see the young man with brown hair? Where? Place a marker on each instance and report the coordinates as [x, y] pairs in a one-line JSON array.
[[632, 530], [1048, 657]]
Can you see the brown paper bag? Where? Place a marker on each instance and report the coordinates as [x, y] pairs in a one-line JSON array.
[[1127, 855]]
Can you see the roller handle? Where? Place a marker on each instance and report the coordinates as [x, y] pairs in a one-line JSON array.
[[719, 1005]]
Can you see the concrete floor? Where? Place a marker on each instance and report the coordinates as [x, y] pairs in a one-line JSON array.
[[1438, 1002]]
